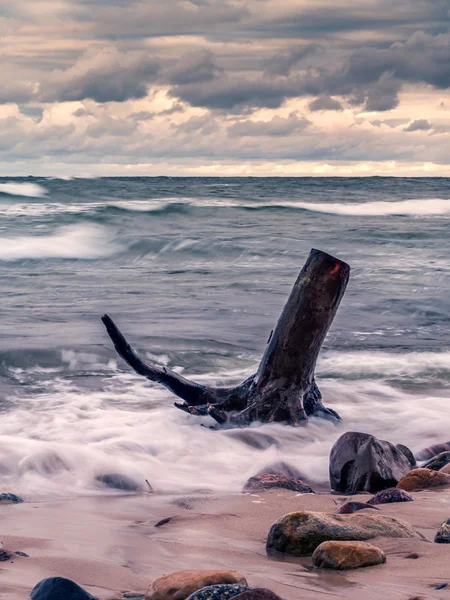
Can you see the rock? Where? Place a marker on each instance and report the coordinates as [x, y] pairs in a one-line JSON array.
[[282, 468], [5, 555], [299, 533], [258, 594], [347, 555], [432, 451], [59, 588], [437, 462], [445, 469], [409, 455], [351, 507], [22, 554], [180, 585], [390, 495], [267, 481], [360, 462], [218, 592], [421, 479], [118, 481], [443, 533], [254, 439], [10, 499]]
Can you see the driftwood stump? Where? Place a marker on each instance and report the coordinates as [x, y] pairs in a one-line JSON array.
[[283, 389]]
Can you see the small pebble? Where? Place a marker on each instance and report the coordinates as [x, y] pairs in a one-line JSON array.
[[441, 586]]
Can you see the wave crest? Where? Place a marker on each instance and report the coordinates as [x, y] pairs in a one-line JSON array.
[[85, 242], [30, 190]]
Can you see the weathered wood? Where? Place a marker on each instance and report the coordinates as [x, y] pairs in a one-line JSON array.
[[283, 389]]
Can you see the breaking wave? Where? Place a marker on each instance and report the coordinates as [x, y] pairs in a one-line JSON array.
[[31, 190], [423, 207], [72, 242]]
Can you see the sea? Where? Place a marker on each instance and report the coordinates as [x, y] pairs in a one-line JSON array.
[[195, 271]]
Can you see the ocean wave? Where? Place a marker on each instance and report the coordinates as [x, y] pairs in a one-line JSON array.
[[383, 364], [422, 207], [31, 190], [72, 242]]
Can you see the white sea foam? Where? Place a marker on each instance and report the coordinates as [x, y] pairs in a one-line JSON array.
[[58, 442], [81, 241], [31, 190], [422, 207], [384, 364]]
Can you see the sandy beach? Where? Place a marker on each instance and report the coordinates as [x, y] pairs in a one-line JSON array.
[[110, 545]]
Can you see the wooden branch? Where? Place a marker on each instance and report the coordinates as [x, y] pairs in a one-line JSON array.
[[193, 393]]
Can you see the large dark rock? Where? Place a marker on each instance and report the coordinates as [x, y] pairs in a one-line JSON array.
[[409, 455], [59, 588], [299, 533], [118, 481], [437, 462], [431, 451], [359, 462]]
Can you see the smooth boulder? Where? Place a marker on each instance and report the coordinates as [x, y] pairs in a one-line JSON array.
[[390, 495], [437, 462], [422, 479], [299, 533], [219, 592], [117, 481], [268, 481], [59, 588], [180, 585], [347, 555], [443, 533], [432, 451], [281, 468], [359, 462]]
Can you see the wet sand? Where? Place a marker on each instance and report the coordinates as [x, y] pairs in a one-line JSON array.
[[109, 544]]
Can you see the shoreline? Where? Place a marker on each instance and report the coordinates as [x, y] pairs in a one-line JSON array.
[[109, 544]]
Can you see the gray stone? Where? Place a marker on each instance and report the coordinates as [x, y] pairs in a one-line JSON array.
[[359, 462]]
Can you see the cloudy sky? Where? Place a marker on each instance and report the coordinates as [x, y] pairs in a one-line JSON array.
[[225, 87]]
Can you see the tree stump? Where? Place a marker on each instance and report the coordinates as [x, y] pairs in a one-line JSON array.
[[283, 389]]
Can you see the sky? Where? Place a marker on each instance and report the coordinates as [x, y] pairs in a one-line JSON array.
[[225, 87]]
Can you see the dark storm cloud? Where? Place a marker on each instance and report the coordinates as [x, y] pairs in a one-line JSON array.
[[369, 77], [419, 125], [194, 67], [153, 18], [324, 103], [283, 62], [104, 76]]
